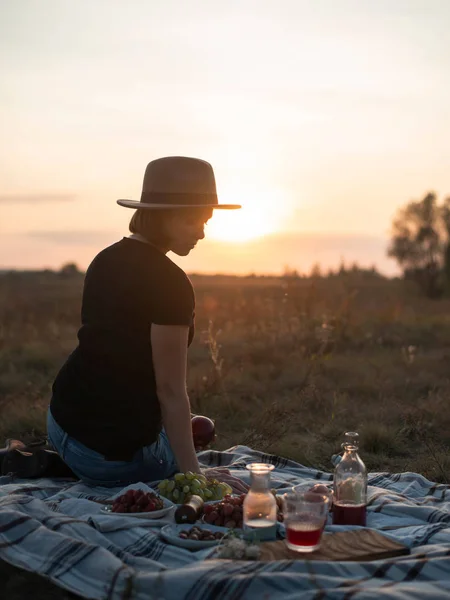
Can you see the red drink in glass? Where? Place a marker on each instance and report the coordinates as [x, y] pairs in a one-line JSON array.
[[305, 515], [306, 534], [349, 514]]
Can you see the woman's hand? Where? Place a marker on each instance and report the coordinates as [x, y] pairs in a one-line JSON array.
[[223, 474]]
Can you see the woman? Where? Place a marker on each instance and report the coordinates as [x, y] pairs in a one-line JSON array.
[[120, 412]]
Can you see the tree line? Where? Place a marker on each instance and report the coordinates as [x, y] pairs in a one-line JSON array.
[[420, 243]]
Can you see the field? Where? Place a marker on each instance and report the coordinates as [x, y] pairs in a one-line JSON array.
[[286, 365]]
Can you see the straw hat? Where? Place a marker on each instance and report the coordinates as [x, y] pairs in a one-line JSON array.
[[178, 182]]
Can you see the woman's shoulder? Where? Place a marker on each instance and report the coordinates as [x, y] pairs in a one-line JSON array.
[[107, 256], [143, 262], [177, 271], [174, 276]]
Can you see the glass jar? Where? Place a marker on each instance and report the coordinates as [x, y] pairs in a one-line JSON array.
[[350, 485], [260, 507]]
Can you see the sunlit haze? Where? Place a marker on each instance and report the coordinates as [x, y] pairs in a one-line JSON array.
[[263, 212], [320, 118]]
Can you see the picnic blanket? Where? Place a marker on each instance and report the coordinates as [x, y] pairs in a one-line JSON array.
[[55, 528]]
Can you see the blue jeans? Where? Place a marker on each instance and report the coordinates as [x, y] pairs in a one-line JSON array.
[[150, 463]]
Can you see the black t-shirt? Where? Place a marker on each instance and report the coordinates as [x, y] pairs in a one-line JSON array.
[[105, 394]]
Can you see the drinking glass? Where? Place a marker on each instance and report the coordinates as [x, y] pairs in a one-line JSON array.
[[305, 515]]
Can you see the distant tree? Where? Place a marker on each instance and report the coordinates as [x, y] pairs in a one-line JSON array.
[[69, 270], [445, 215], [289, 273], [374, 273], [342, 270], [420, 243], [316, 271]]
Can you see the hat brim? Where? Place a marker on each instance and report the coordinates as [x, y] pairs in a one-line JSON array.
[[138, 204]]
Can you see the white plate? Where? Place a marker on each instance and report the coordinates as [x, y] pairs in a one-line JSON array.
[[156, 514], [170, 533]]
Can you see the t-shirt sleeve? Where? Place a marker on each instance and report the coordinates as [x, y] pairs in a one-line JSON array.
[[174, 302]]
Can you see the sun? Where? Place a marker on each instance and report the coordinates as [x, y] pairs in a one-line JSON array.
[[261, 214], [238, 226]]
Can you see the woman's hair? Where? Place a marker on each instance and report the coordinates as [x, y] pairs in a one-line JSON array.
[[150, 224]]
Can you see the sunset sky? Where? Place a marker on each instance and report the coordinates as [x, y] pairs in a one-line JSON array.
[[321, 117]]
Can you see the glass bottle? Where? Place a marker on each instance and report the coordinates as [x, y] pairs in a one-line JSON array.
[[350, 485], [260, 507]]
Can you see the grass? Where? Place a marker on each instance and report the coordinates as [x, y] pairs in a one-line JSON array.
[[286, 365]]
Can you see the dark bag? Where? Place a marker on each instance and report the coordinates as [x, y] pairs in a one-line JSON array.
[[32, 461]]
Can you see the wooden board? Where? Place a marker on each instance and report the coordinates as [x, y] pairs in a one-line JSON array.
[[357, 545]]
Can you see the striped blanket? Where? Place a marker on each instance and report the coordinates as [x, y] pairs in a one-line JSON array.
[[55, 528]]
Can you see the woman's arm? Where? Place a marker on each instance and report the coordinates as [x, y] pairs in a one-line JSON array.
[[169, 349]]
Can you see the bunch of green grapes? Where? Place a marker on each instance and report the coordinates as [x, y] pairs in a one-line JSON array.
[[184, 485]]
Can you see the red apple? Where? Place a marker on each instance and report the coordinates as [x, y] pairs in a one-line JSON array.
[[203, 431]]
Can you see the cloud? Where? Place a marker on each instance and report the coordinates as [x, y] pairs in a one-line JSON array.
[[35, 198], [75, 237]]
